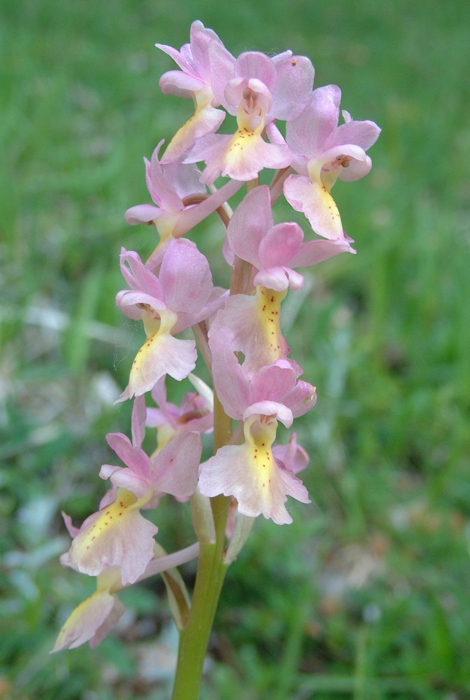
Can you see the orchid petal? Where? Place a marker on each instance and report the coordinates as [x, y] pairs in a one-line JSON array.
[[249, 223], [272, 409], [280, 244], [126, 479], [175, 467], [255, 64], [137, 275], [132, 456], [317, 250], [178, 58], [90, 621], [132, 303], [174, 82], [361, 133], [161, 354], [231, 381], [201, 38], [278, 279], [314, 200], [307, 134], [273, 382], [205, 120], [294, 82], [185, 276], [184, 179], [142, 214], [117, 535], [222, 65], [160, 189]]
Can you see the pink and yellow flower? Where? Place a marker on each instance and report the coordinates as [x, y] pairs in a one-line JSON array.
[[323, 152], [256, 89], [193, 80], [181, 295]]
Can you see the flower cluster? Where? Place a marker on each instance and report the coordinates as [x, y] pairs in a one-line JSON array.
[[237, 330]]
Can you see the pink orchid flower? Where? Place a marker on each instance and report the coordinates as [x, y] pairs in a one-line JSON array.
[[172, 470], [258, 90], [193, 80], [195, 413], [171, 188], [275, 250], [238, 389], [250, 472], [94, 617], [324, 151], [118, 535], [180, 296], [99, 613]]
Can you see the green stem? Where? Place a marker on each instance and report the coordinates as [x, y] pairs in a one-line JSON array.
[[210, 576], [195, 636], [211, 567]]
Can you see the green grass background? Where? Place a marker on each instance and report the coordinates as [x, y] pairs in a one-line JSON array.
[[366, 595]]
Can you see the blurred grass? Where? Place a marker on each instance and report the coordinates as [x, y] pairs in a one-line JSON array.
[[365, 596]]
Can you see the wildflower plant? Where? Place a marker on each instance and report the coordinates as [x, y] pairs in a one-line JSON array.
[[237, 331]]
